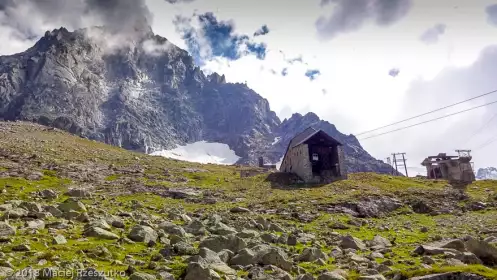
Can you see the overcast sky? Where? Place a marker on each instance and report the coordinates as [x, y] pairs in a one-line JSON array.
[[358, 64]]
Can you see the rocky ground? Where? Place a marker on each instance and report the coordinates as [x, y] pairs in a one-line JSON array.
[[73, 208]]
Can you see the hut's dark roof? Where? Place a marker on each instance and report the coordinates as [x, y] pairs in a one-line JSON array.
[[308, 134]]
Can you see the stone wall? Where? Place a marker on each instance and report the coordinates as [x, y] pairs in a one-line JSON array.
[[297, 161], [341, 159]]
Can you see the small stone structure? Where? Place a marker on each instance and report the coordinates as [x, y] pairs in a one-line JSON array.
[[267, 166], [315, 157], [451, 168]]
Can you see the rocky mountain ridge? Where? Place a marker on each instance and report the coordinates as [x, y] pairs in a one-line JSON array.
[[142, 93]]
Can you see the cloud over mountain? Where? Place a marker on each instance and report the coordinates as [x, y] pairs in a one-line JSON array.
[[432, 34], [350, 15], [492, 14], [207, 37], [262, 31], [22, 22]]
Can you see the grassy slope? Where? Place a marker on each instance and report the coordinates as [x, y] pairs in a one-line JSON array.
[[65, 161]]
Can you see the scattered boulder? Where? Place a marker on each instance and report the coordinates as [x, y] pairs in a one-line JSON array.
[[268, 272], [215, 263], [262, 254], [196, 227], [141, 276], [379, 242], [79, 192], [54, 211], [172, 228], [72, 204], [430, 250], [144, 234], [35, 224], [200, 271], [483, 250], [277, 257], [21, 248], [15, 213], [469, 258], [218, 243], [115, 221], [59, 240], [331, 276], [222, 229], [31, 206], [6, 229], [239, 209], [247, 233], [48, 194], [350, 242], [311, 254], [100, 233], [455, 244], [183, 248]]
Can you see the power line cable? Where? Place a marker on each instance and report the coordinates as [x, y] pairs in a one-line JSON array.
[[431, 112], [481, 128], [428, 121], [492, 140]]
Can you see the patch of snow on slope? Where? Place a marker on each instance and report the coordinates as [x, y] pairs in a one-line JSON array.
[[202, 152], [276, 140], [278, 164]]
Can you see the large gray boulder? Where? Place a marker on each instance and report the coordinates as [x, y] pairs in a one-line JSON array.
[[144, 234], [268, 272], [72, 204], [483, 250], [100, 233], [79, 192], [6, 229], [200, 271], [172, 228], [195, 227], [264, 255], [311, 254], [15, 213], [331, 276], [350, 242], [219, 243], [215, 263]]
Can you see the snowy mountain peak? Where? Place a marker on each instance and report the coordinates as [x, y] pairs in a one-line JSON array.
[[489, 173]]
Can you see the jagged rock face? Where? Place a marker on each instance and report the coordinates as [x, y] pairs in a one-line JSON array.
[[489, 173], [143, 93], [128, 96]]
